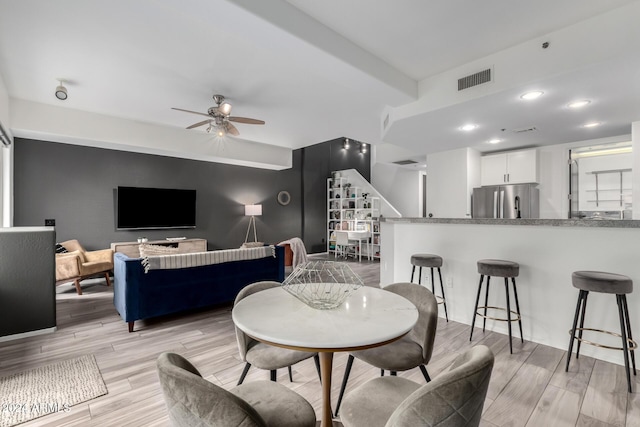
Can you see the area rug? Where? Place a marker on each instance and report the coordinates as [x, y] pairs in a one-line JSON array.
[[49, 389]]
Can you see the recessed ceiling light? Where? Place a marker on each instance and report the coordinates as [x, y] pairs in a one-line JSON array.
[[468, 127], [592, 124], [494, 141], [578, 104], [532, 95]]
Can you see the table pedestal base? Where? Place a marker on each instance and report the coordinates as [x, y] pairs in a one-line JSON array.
[[326, 365]]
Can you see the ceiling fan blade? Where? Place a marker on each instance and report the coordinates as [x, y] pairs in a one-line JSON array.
[[204, 122], [189, 111], [246, 120], [231, 129]]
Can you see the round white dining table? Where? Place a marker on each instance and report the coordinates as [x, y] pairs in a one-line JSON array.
[[370, 317]]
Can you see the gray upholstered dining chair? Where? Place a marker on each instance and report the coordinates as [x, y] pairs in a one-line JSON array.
[[194, 401], [264, 356], [453, 399], [411, 351]]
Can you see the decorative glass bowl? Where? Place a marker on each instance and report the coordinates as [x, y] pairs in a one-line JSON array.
[[323, 285]]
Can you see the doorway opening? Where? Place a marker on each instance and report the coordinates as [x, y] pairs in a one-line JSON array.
[[600, 181]]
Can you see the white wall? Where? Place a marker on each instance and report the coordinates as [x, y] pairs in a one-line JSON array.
[[635, 141], [451, 176], [473, 175], [66, 125], [6, 161], [401, 187]]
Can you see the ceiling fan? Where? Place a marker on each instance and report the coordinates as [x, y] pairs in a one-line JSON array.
[[219, 118]]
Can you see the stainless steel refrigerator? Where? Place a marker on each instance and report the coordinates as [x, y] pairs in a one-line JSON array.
[[506, 201]]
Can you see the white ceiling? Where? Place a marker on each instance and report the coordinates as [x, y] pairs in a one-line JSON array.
[[313, 70]]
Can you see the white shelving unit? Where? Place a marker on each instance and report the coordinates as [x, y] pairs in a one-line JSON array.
[[349, 209], [612, 187]]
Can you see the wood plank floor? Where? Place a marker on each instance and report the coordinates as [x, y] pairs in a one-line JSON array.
[[528, 388]]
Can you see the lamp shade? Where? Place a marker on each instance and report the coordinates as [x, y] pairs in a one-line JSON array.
[[252, 210]]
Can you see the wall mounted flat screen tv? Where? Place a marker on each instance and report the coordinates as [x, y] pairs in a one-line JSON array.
[[155, 208]]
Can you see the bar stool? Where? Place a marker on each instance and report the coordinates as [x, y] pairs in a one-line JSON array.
[[430, 261], [607, 283], [498, 268]]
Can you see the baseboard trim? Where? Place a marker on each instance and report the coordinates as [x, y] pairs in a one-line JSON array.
[[28, 334]]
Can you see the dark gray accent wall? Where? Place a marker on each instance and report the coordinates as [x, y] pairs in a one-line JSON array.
[[27, 280], [318, 161], [75, 186]]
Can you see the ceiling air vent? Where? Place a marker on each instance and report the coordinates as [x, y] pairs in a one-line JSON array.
[[525, 130], [476, 79], [405, 162]]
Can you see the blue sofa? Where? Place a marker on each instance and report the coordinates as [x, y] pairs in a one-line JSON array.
[[138, 295]]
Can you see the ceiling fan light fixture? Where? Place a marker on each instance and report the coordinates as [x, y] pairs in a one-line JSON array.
[[218, 118], [61, 92], [225, 108]]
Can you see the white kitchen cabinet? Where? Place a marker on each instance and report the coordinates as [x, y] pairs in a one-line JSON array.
[[514, 167]]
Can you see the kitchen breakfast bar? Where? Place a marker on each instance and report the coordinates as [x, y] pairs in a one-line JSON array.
[[548, 252]]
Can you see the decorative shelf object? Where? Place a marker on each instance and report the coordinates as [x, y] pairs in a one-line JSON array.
[[323, 285]]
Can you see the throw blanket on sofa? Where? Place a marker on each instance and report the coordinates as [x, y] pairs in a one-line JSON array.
[[205, 258], [298, 249]]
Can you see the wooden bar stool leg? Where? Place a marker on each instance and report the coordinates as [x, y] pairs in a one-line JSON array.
[[475, 309], [486, 299], [585, 296], [506, 287], [444, 299], [625, 344], [515, 294], [573, 329]]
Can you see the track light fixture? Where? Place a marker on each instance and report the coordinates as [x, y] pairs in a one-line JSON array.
[[346, 143], [61, 92]]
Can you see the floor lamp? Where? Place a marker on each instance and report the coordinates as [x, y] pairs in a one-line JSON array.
[[253, 211]]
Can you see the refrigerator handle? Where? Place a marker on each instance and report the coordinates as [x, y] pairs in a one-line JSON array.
[[501, 206], [495, 204]]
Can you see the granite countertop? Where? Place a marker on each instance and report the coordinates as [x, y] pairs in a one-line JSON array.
[[618, 223]]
